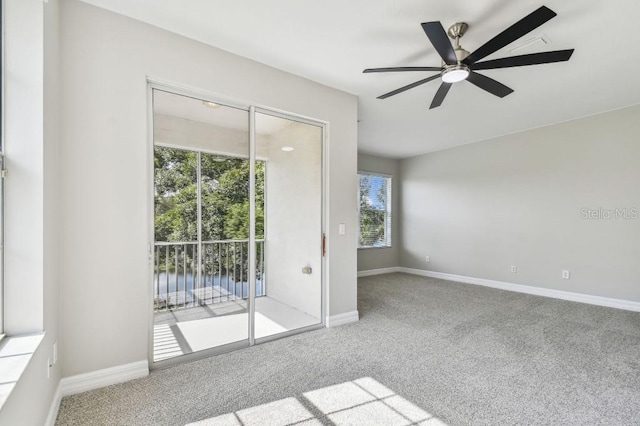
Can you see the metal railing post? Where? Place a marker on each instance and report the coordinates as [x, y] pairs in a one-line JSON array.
[[176, 280], [195, 288], [166, 281], [156, 299]]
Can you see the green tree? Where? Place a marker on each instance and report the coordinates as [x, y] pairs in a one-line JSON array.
[[372, 217], [225, 196], [175, 195]]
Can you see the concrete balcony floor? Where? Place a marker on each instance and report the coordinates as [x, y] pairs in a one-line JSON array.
[[183, 331]]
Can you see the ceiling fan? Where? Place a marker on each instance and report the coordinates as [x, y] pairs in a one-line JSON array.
[[458, 64]]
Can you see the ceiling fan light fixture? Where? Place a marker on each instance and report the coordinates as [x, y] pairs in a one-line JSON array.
[[455, 73]]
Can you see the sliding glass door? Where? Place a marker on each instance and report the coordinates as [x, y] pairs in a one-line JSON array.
[[201, 225], [237, 202], [293, 232]]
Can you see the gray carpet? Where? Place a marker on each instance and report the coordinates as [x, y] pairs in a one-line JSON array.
[[465, 354]]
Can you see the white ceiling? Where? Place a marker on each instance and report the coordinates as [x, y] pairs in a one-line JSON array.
[[332, 41], [179, 106]]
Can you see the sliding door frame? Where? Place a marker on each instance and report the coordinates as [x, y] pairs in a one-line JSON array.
[[324, 218], [252, 109]]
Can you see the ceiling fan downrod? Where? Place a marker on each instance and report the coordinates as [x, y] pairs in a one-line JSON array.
[[456, 31], [457, 72]]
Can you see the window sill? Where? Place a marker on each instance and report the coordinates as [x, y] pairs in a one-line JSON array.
[[15, 354], [375, 248]]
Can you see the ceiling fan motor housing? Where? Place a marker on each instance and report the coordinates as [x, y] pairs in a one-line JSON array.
[[461, 53]]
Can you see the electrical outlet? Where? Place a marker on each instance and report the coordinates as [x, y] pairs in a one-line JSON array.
[[426, 259], [565, 275], [514, 269]]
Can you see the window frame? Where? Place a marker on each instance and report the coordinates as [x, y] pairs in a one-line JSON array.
[[388, 213]]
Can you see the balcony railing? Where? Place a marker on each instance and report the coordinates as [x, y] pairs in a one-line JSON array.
[[185, 278]]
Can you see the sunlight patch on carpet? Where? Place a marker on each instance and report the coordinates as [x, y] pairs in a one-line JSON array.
[[358, 402], [165, 343]]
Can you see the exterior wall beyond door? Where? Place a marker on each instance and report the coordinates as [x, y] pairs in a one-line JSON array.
[[294, 217]]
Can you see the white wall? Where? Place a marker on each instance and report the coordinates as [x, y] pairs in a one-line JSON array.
[[519, 199], [31, 275], [106, 59], [386, 257], [52, 101], [294, 218], [24, 152]]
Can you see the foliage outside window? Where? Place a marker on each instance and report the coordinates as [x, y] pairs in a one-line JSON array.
[[374, 210], [224, 196]]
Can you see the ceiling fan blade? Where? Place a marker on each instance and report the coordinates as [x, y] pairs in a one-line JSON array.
[[514, 32], [440, 95], [524, 60], [409, 86], [489, 84], [399, 69], [440, 40]]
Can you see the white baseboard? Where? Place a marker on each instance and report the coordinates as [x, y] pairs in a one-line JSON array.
[[371, 272], [538, 291], [108, 376], [55, 406], [342, 319]]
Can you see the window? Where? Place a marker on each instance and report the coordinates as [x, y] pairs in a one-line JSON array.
[[374, 210]]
